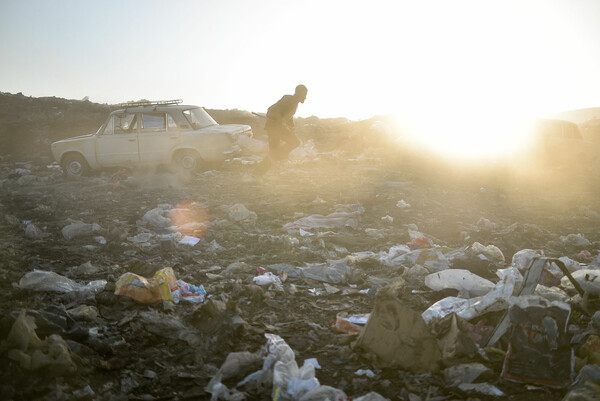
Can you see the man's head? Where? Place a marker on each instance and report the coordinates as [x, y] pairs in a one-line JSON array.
[[300, 93]]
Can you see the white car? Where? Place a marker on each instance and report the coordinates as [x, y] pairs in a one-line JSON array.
[[151, 133]]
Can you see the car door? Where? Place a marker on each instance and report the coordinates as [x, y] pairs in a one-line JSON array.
[[158, 135], [118, 143]]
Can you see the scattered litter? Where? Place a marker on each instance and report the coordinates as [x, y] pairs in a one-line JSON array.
[[490, 252], [163, 286], [239, 212], [78, 229], [344, 216], [388, 219], [402, 204], [189, 240], [575, 240], [305, 233], [365, 372], [467, 283], [482, 388], [349, 325], [34, 232], [465, 373], [269, 278], [40, 280]]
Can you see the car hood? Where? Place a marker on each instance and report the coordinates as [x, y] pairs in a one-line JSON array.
[[225, 129], [74, 139]]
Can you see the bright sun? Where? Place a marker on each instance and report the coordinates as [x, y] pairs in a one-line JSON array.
[[454, 133]]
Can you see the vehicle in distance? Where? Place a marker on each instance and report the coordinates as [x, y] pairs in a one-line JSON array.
[[151, 133], [560, 142]]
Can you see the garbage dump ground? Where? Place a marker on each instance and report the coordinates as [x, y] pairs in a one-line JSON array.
[[370, 272]]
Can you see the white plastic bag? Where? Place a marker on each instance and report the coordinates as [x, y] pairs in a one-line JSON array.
[[239, 212], [78, 229], [268, 278], [464, 281], [490, 252], [40, 280]]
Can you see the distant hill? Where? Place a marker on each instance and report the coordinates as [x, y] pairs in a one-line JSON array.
[[579, 116]]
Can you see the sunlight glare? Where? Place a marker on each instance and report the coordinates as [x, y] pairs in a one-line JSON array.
[[454, 133], [191, 218]]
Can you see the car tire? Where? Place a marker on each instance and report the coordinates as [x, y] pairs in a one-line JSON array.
[[187, 161], [75, 166]]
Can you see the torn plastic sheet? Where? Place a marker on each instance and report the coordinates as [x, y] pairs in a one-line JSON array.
[[288, 380], [495, 300], [79, 228], [588, 279], [40, 280], [334, 272], [434, 259], [482, 388], [344, 216], [189, 240], [268, 278], [462, 280], [158, 219], [489, 252]]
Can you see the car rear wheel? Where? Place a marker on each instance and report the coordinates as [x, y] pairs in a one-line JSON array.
[[75, 166], [187, 161]]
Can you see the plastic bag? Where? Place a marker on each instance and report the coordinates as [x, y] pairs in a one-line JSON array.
[[588, 279], [324, 393], [522, 259], [495, 300], [191, 293], [40, 280], [163, 286], [239, 212], [491, 252], [144, 290], [267, 278], [291, 382], [78, 229], [462, 280], [431, 258], [344, 216], [158, 218]]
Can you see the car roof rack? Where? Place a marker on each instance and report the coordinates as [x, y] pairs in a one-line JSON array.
[[150, 103]]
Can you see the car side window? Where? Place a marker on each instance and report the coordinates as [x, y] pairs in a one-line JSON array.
[[154, 122], [121, 124], [171, 124]]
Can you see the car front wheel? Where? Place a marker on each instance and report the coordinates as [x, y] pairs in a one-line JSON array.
[[75, 166]]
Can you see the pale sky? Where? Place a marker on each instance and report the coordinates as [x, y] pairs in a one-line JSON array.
[[430, 60]]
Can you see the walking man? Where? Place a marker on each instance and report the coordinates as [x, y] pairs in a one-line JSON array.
[[280, 128]]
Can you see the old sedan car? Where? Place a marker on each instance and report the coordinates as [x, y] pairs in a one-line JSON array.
[[151, 133]]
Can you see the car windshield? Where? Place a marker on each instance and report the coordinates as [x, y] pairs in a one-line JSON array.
[[199, 118]]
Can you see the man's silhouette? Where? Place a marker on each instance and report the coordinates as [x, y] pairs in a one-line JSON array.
[[280, 128]]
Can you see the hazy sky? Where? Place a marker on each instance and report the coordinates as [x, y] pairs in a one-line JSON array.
[[357, 58]]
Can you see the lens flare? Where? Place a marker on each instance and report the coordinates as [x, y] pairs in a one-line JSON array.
[[191, 218]]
